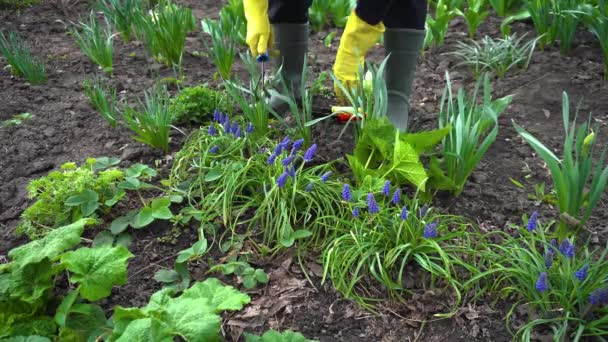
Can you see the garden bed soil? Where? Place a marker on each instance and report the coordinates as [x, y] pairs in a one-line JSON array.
[[65, 128]]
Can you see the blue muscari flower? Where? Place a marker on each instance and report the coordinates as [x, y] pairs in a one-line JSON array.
[[212, 130], [396, 196], [282, 180], [249, 128], [372, 206], [310, 153], [404, 213], [309, 187], [346, 195], [291, 171], [581, 274], [430, 230], [226, 123], [278, 149], [599, 297], [541, 283], [423, 210], [533, 221], [567, 249], [386, 190], [237, 132], [356, 212], [216, 115], [548, 259], [285, 142], [271, 159], [234, 128], [297, 145], [553, 247], [214, 149], [326, 176], [288, 160]]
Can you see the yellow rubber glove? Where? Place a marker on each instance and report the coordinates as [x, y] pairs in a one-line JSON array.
[[357, 39], [259, 35]]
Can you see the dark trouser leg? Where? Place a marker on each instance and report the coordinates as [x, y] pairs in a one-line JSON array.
[[393, 13], [288, 11]]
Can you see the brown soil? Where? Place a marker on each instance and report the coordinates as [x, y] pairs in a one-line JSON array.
[[65, 128]]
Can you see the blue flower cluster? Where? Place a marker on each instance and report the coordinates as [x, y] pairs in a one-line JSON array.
[[289, 159], [228, 127]]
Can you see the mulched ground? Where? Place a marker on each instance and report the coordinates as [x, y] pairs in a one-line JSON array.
[[65, 128]]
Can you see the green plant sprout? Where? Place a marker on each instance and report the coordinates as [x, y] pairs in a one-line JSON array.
[[223, 48], [20, 59], [16, 120], [102, 97], [96, 43], [577, 183], [121, 14], [436, 26], [250, 276], [474, 14], [474, 128]]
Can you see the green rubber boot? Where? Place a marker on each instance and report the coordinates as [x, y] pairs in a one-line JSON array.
[[404, 47], [291, 40]]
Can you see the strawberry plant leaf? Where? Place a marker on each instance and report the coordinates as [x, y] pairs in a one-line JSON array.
[[103, 238], [249, 281], [97, 269], [121, 223], [261, 276], [143, 218], [166, 276], [124, 239]]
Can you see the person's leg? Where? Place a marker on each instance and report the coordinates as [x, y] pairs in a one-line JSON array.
[[403, 40], [289, 19]]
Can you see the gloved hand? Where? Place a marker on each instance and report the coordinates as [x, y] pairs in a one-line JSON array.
[[357, 39], [259, 35]]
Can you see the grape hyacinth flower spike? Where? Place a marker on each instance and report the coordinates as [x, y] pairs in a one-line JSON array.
[[372, 205], [599, 297], [396, 196], [288, 160], [423, 211], [404, 213], [326, 176], [346, 195], [310, 153], [237, 132], [541, 283], [249, 128], [216, 115], [386, 190], [567, 249], [214, 149], [356, 212], [282, 180], [309, 187], [430, 230], [271, 159], [548, 260], [278, 149], [285, 142], [296, 145], [533, 222], [212, 130], [581, 274]]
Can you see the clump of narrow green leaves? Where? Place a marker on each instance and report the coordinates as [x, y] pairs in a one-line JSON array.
[[321, 12], [597, 22], [232, 19], [151, 120], [386, 236], [495, 55], [19, 57], [577, 183], [121, 13], [474, 127], [74, 192], [164, 31], [102, 97], [95, 42], [558, 281], [30, 276], [223, 45], [196, 104], [193, 315]]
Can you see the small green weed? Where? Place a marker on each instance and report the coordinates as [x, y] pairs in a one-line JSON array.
[[103, 98], [16, 120], [197, 104]]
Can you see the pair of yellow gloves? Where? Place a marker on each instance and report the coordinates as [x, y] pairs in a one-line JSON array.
[[357, 39]]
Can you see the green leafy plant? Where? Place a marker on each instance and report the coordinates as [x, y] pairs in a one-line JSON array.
[[232, 20], [561, 284], [16, 120], [67, 195], [151, 121], [565, 20], [540, 196], [121, 14], [27, 295], [164, 31], [250, 276], [192, 316], [504, 7], [540, 13], [577, 183], [321, 12], [102, 97], [436, 26], [382, 241], [275, 336], [196, 104], [469, 139], [96, 43], [498, 56], [19, 57], [223, 47], [474, 14], [597, 22]]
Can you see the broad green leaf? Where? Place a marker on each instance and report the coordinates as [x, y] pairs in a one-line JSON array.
[[407, 165], [139, 331], [301, 233], [193, 319], [249, 281], [82, 198], [275, 336], [138, 170], [97, 269], [32, 281], [121, 223], [103, 238], [143, 218], [130, 183], [382, 135], [261, 276], [160, 207], [426, 140], [105, 162], [185, 255], [213, 174], [124, 239], [50, 246], [166, 276], [220, 297], [85, 319], [123, 317], [33, 338], [64, 308]]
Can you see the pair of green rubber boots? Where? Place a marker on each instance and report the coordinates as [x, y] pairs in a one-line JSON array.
[[403, 45]]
